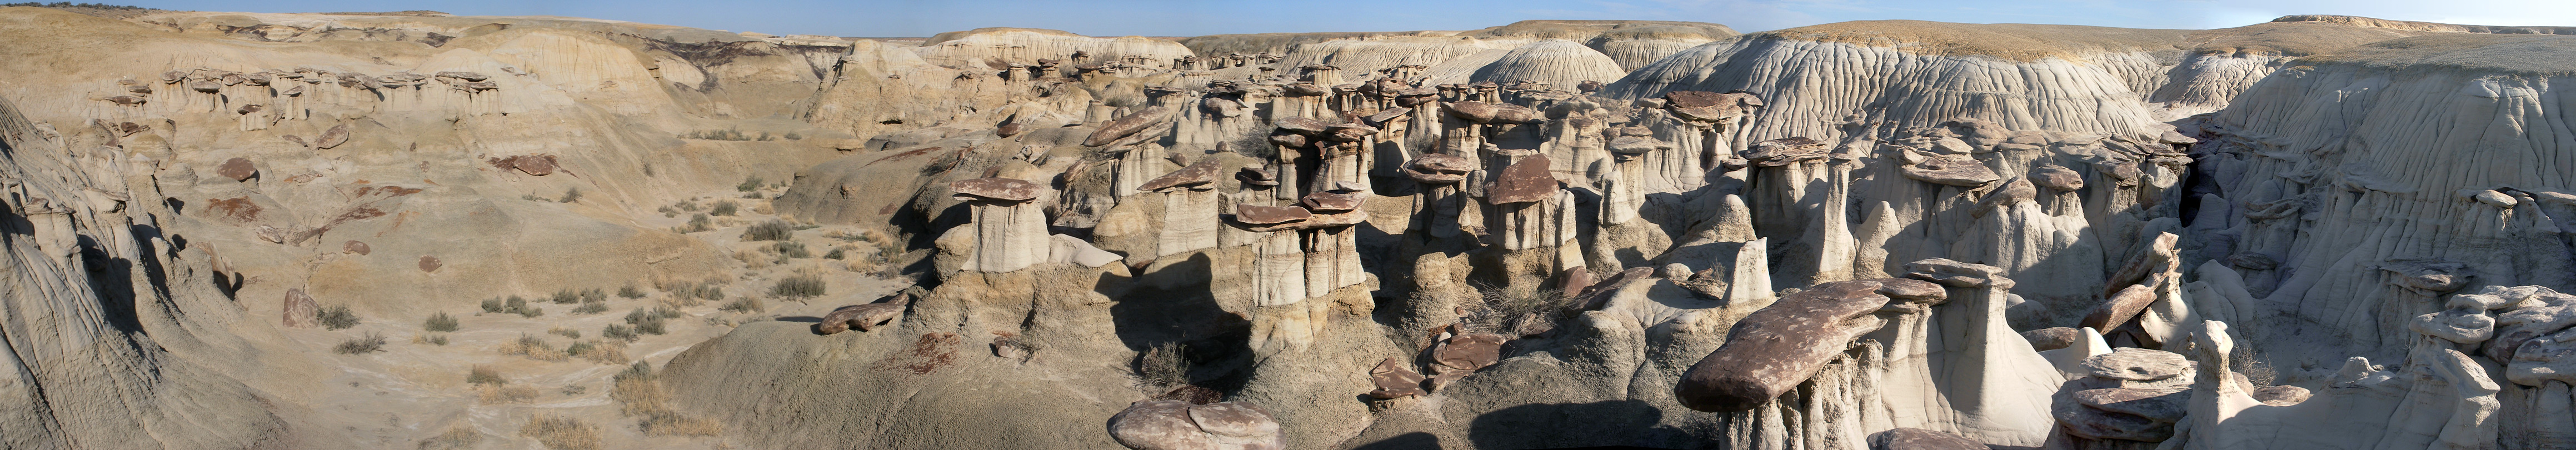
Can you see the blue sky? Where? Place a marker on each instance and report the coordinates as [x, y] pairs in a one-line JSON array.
[[875, 18]]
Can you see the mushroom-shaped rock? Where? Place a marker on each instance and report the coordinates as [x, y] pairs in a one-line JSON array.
[[1195, 175], [1305, 126], [1921, 439], [1773, 350], [1951, 170], [429, 264], [1290, 139], [1394, 380], [356, 248], [1783, 151], [1472, 111], [2056, 178], [2427, 275], [1956, 274], [1329, 202], [995, 190], [238, 169], [332, 138], [1637, 145], [1710, 106], [864, 317], [1439, 168], [1255, 176], [1526, 181], [1126, 126], [1179, 425], [1387, 115], [1349, 132], [1305, 90], [1270, 218], [2136, 364]]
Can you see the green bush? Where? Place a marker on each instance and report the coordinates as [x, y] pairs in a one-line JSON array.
[[724, 208], [578, 348], [775, 230], [493, 305], [591, 308], [337, 317], [647, 322], [567, 297], [800, 286], [442, 322]]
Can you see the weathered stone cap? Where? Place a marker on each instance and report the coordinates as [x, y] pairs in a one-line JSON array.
[[997, 190]]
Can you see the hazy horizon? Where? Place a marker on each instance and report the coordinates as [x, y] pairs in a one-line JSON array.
[[1196, 18]]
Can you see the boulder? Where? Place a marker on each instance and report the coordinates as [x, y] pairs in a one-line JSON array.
[[1394, 380], [864, 317], [1179, 425], [332, 138], [1920, 439], [2120, 307], [2056, 178], [2046, 339], [2136, 364], [429, 264], [238, 169], [1526, 181], [355, 248], [1255, 176], [300, 310]]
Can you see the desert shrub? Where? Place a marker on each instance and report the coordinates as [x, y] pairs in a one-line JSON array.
[[594, 295], [494, 395], [561, 433], [432, 338], [591, 308], [836, 253], [646, 322], [749, 184], [743, 305], [751, 196], [572, 195], [574, 389], [566, 297], [724, 208], [799, 286], [565, 332], [687, 206], [1164, 364], [638, 371], [775, 230], [534, 348], [579, 348], [493, 305], [531, 312], [1515, 311], [457, 438], [440, 322], [792, 136], [671, 423], [370, 343], [337, 317], [604, 352], [482, 374], [620, 331], [791, 249], [697, 224], [667, 312], [630, 292]]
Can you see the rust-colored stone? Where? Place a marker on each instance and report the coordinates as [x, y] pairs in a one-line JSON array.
[[1526, 181], [238, 169]]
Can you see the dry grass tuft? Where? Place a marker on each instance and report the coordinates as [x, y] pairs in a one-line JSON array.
[[496, 395], [561, 433], [459, 437], [534, 348]]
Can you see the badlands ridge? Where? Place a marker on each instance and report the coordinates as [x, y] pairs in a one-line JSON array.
[[416, 230]]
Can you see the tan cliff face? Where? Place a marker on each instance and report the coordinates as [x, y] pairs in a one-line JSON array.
[[264, 230]]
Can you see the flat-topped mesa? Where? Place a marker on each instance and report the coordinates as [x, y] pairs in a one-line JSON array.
[[1783, 345]]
